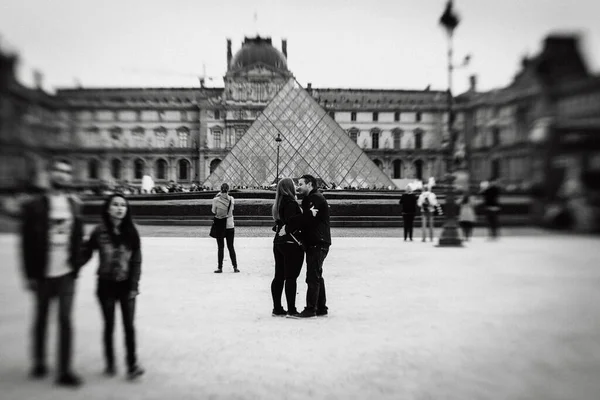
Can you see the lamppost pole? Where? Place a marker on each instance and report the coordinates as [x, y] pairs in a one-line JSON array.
[[278, 140], [450, 236]]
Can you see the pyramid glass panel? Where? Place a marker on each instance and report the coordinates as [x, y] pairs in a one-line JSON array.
[[311, 143]]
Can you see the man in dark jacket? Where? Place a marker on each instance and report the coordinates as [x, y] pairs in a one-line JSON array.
[[408, 201], [316, 236], [51, 236], [490, 194]]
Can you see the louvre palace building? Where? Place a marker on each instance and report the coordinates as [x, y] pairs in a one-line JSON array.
[[357, 137]]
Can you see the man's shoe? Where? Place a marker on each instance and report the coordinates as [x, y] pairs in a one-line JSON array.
[[322, 312], [135, 372], [39, 372], [218, 271], [69, 380], [293, 314], [279, 312], [236, 270], [306, 313]]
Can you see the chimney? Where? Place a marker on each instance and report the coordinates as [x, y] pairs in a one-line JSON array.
[[38, 79], [284, 47], [228, 52], [473, 83]]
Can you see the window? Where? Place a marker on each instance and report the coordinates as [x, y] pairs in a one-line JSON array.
[[217, 138], [375, 116], [397, 138], [397, 116], [353, 133], [378, 163], [138, 169], [183, 115], [116, 133], [375, 140], [418, 139], [217, 114], [183, 170], [115, 168], [138, 137], [161, 169], [419, 169], [332, 114], [353, 116], [418, 116], [184, 137], [214, 164], [93, 169], [93, 137], [238, 134], [160, 115], [397, 169], [496, 136], [161, 137]]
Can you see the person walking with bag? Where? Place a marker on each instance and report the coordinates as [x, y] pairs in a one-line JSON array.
[[223, 228], [118, 243], [287, 249]]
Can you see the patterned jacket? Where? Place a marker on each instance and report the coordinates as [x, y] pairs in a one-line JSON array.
[[117, 262]]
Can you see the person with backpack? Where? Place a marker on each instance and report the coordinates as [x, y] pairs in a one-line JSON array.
[[222, 207], [429, 206]]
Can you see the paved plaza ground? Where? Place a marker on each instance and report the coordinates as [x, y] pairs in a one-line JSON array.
[[518, 318]]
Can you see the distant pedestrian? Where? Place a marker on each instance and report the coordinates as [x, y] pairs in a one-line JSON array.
[[120, 260], [287, 249], [429, 206], [316, 236], [51, 237], [467, 216], [408, 201], [490, 191], [222, 207]]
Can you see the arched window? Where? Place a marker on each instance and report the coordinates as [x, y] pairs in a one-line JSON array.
[[138, 168], [397, 169], [93, 167], [116, 133], [161, 137], [397, 133], [378, 163], [115, 168], [183, 170], [161, 169], [418, 139], [419, 169], [214, 164]]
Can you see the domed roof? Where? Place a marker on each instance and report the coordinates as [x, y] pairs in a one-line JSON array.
[[258, 50]]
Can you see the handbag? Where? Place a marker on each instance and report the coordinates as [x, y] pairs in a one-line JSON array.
[[219, 225]]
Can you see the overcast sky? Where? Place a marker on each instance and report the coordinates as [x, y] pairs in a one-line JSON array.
[[331, 43]]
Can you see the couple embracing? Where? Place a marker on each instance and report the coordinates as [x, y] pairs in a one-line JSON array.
[[300, 230]]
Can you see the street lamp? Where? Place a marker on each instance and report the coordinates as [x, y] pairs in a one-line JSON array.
[[450, 236], [278, 140]]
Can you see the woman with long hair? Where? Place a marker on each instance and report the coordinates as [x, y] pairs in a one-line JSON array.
[[118, 243], [222, 207], [287, 249]]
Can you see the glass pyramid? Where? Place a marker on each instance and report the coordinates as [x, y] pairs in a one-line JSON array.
[[311, 143]]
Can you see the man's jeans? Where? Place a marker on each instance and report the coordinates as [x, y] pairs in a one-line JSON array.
[[315, 295], [63, 288]]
